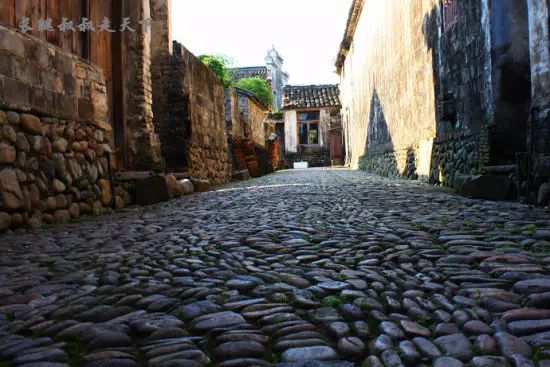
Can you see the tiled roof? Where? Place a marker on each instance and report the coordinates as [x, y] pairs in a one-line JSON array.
[[249, 72], [310, 96], [253, 96], [353, 19]]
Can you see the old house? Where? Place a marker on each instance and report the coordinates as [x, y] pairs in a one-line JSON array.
[[312, 125], [272, 72], [446, 90]]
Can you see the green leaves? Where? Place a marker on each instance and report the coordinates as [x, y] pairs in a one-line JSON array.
[[259, 87], [219, 64]]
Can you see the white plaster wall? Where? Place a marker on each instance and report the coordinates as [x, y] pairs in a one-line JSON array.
[[389, 56], [324, 126], [291, 132]]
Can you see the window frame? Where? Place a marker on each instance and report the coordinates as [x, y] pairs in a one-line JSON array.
[[317, 121]]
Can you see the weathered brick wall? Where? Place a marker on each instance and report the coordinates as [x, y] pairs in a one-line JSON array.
[[195, 130], [53, 135], [387, 81]]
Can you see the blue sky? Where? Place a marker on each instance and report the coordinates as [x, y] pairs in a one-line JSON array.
[[307, 33]]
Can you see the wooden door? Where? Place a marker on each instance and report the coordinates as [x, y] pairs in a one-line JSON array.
[[12, 11], [335, 146], [103, 49]]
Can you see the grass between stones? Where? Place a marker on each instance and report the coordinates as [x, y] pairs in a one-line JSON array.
[[75, 352], [332, 301]]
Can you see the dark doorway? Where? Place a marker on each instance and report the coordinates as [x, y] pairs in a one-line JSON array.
[[511, 79]]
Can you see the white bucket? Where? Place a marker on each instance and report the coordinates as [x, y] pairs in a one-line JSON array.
[[301, 165]]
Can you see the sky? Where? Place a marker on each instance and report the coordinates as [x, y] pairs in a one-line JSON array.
[[306, 33]]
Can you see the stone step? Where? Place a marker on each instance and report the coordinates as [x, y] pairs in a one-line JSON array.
[[133, 175], [501, 169]]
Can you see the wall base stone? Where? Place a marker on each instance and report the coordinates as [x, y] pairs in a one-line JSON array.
[[451, 158], [209, 164], [316, 157], [61, 171]]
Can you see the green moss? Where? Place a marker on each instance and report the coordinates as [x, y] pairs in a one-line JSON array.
[[469, 224], [531, 229], [419, 226], [332, 301], [427, 322], [540, 353], [442, 246], [341, 277]]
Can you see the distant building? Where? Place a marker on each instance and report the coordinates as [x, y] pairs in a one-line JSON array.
[[312, 125], [272, 72]]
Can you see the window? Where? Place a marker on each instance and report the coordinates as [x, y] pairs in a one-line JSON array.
[[450, 13], [308, 127]]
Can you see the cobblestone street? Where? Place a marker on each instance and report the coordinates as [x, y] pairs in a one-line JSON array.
[[331, 265]]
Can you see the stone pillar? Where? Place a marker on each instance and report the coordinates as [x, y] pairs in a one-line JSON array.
[[161, 51], [540, 53], [539, 129], [143, 142]]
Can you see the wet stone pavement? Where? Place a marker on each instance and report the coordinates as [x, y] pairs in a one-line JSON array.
[[334, 266]]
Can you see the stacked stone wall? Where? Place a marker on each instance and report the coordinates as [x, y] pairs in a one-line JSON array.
[[451, 157], [53, 135], [459, 155]]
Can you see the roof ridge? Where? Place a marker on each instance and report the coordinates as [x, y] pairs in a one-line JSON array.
[[310, 85], [311, 96], [249, 67]]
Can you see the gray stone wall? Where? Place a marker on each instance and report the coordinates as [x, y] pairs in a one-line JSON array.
[[462, 65], [233, 118], [193, 134], [254, 116]]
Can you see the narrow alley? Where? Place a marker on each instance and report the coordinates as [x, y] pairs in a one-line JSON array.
[[332, 265]]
